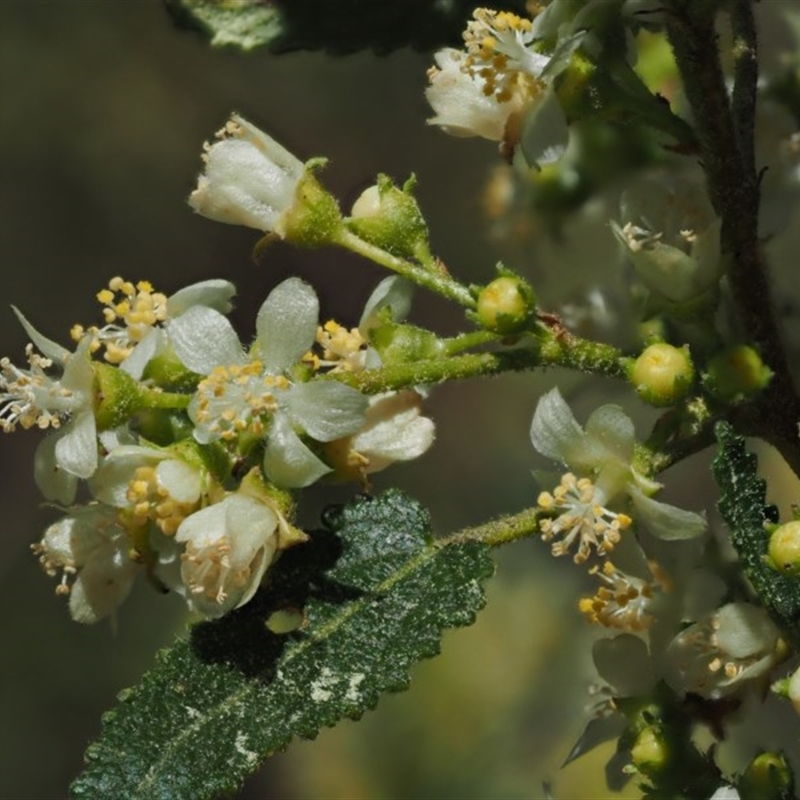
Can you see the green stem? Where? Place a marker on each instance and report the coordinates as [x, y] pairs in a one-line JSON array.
[[154, 398], [499, 531], [550, 350], [466, 341], [438, 282]]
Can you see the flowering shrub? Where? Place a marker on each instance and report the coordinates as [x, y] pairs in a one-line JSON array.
[[175, 450]]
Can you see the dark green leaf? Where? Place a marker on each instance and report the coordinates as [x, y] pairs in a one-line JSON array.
[[376, 593], [338, 26], [744, 508]]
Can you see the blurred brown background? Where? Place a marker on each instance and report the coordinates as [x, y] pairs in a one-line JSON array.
[[103, 111]]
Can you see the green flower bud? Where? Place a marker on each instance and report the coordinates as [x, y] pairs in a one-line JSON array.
[[736, 374], [784, 549], [117, 396], [507, 305], [663, 374], [650, 753], [768, 777], [390, 218]]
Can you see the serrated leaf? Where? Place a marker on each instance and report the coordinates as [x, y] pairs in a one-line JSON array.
[[337, 26], [245, 24], [744, 508], [376, 593]]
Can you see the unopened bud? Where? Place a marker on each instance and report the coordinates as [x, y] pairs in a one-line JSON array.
[[663, 374], [650, 753], [768, 777], [736, 374], [784, 549], [507, 305], [390, 218]]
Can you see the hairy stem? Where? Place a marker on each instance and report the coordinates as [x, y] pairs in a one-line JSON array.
[[725, 134], [499, 531], [434, 280]]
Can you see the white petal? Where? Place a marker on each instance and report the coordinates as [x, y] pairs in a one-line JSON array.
[[76, 448], [624, 662], [111, 481], [183, 482], [203, 339], [745, 630], [725, 793], [555, 432], [326, 410], [54, 483], [143, 353], [395, 430], [610, 427], [215, 293], [101, 585], [394, 292], [47, 347], [78, 373], [288, 463], [287, 324], [665, 521]]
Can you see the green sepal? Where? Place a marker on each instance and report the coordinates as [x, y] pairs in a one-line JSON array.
[[117, 396]]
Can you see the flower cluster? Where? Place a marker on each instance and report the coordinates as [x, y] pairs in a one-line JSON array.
[[669, 625], [163, 409]]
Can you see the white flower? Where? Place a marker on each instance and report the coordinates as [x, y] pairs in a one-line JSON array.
[[253, 393], [229, 546], [723, 649], [462, 106], [603, 455], [152, 484], [671, 236], [30, 397], [394, 430], [137, 319], [91, 543], [487, 90], [249, 179]]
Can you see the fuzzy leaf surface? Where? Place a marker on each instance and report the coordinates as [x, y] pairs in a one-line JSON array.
[[375, 591], [337, 26], [744, 508]]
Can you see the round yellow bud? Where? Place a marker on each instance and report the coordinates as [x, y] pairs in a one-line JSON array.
[[784, 549], [506, 305], [650, 753], [768, 777], [663, 374]]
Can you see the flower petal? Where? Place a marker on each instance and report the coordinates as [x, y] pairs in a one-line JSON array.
[[144, 351], [288, 463], [203, 339], [76, 448], [326, 410], [55, 483], [665, 521], [101, 585], [47, 347], [215, 293], [612, 428], [394, 292], [555, 432], [287, 324]]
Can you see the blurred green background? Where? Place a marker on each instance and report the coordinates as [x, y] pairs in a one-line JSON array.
[[103, 111]]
